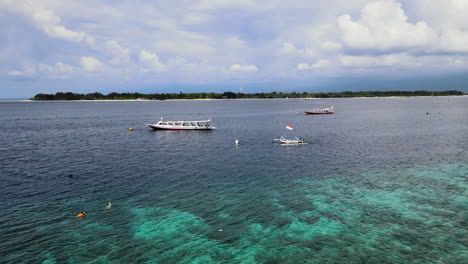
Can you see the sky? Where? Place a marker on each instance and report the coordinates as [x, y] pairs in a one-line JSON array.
[[84, 46]]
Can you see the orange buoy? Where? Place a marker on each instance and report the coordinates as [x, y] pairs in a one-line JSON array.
[[81, 215]]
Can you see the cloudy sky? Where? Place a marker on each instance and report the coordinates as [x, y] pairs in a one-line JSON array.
[[219, 45]]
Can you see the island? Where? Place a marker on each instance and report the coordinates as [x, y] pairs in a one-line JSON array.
[[65, 96]]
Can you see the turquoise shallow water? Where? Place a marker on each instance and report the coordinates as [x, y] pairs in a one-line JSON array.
[[380, 182]]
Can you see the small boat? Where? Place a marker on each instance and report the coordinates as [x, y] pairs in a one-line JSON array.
[[295, 141], [321, 111], [182, 125]]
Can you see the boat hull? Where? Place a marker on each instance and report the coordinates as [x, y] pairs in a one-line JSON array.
[[317, 113], [155, 127], [289, 142]]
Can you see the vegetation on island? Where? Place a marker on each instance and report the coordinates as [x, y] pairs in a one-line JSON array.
[[232, 95]]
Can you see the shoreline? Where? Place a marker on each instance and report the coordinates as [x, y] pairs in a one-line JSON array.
[[226, 99], [221, 99]]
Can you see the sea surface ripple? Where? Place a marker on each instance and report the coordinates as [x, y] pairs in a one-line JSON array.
[[384, 180]]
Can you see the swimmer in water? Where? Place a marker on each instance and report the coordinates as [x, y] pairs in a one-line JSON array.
[[81, 215], [109, 206]]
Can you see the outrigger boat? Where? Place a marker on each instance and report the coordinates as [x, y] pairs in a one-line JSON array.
[[182, 125], [294, 141], [321, 111]]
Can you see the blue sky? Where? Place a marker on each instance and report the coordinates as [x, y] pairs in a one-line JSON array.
[[219, 45]]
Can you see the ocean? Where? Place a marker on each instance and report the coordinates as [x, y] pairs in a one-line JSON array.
[[384, 180]]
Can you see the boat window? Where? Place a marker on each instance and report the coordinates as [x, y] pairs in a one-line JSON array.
[[201, 124], [186, 124], [192, 124], [163, 124], [171, 124], [178, 124]]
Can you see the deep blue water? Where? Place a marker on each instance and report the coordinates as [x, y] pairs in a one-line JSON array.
[[381, 181]]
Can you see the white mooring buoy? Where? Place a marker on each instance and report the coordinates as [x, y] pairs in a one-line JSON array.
[[237, 142]]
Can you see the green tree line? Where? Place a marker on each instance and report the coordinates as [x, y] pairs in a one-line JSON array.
[[232, 95]]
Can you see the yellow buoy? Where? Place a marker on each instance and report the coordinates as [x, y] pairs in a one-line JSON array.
[[130, 129]]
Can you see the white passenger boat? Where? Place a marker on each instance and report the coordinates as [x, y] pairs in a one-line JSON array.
[[182, 125], [295, 141], [321, 111]]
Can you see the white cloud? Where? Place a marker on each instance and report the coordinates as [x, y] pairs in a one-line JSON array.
[[27, 70], [330, 46], [195, 18], [214, 41], [392, 60], [456, 62], [442, 14], [245, 68], [90, 64], [57, 68], [45, 19], [119, 54], [454, 40], [303, 66], [63, 32], [224, 4], [359, 61], [288, 49], [383, 25], [319, 64], [235, 42], [151, 62], [184, 46], [176, 61]]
